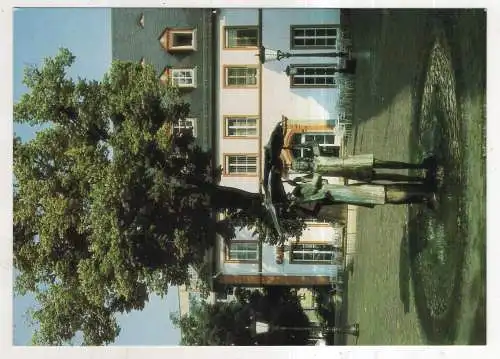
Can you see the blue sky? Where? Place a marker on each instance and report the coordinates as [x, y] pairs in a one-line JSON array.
[[39, 33]]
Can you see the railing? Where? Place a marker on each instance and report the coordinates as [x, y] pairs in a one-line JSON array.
[[337, 277], [346, 85]]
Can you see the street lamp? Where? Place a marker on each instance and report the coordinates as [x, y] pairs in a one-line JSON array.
[[351, 329], [266, 55], [259, 327]]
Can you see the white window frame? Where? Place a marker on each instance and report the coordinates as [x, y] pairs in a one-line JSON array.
[[247, 126], [315, 221], [245, 76], [227, 34], [323, 75], [168, 38], [312, 253], [249, 252], [303, 140], [182, 74], [185, 124], [241, 164], [314, 33]]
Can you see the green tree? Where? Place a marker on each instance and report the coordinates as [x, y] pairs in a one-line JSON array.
[[215, 324], [230, 323], [108, 205]]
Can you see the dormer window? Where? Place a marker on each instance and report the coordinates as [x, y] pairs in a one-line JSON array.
[[178, 40]]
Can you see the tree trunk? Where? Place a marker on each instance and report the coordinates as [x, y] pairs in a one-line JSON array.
[[222, 197]]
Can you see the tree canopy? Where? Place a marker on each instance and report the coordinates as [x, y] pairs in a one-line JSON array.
[[230, 323], [109, 206]]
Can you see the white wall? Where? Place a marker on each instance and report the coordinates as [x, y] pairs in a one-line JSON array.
[[236, 101], [278, 99], [239, 16], [269, 265], [305, 104], [250, 184], [298, 16]]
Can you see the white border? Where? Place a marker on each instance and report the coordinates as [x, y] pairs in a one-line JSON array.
[[493, 253]]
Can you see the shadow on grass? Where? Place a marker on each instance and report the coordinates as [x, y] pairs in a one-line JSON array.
[[437, 289], [404, 274], [397, 40], [466, 34], [437, 240], [435, 244], [478, 332], [389, 69], [400, 42]]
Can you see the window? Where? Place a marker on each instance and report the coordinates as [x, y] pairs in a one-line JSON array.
[[242, 251], [306, 253], [225, 295], [313, 76], [241, 164], [325, 140], [313, 221], [178, 39], [313, 37], [239, 126], [241, 76], [183, 77], [187, 125], [241, 37]]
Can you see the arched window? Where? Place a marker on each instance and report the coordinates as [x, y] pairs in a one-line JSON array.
[[325, 140], [298, 133]]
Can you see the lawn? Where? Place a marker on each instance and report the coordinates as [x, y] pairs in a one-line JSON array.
[[419, 275]]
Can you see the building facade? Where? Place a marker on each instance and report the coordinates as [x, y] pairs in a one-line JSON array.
[[212, 55], [301, 91], [177, 42]]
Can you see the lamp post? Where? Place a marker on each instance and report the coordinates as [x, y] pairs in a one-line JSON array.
[[259, 327], [266, 55]]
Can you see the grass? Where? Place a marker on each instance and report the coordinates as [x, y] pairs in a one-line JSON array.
[[419, 276]]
